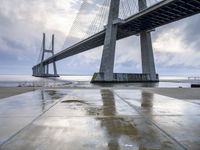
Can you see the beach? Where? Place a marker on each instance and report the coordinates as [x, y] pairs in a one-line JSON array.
[[12, 91]]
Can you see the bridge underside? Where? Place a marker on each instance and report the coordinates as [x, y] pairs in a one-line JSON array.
[[162, 13]]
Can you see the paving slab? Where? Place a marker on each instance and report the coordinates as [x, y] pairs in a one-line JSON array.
[[183, 128], [154, 104], [18, 111]]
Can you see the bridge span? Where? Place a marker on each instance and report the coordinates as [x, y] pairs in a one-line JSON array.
[[147, 19]]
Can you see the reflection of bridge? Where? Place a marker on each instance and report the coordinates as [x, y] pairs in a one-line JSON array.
[[164, 12]]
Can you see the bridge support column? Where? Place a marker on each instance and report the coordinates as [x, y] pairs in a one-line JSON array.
[[54, 63], [107, 62], [148, 65], [42, 70], [47, 69]]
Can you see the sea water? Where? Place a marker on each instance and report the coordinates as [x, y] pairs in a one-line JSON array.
[[84, 81]]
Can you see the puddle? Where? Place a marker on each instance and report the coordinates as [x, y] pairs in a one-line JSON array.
[[55, 94], [94, 111], [74, 101]]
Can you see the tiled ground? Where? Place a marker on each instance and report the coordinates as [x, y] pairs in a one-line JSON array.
[[98, 119]]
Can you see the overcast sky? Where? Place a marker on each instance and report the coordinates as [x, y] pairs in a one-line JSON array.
[[22, 22]]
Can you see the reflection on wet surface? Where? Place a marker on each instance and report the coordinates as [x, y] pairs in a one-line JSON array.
[[18, 111], [146, 100], [116, 128], [103, 119]]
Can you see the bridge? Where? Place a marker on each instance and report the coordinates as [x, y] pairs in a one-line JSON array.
[[141, 23]]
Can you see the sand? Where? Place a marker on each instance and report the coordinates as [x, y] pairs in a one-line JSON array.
[[180, 93], [11, 91]]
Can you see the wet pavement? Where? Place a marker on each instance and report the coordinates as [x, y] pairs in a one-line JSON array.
[[98, 119]]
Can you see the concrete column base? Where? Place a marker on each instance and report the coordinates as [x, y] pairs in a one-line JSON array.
[[46, 75], [124, 77]]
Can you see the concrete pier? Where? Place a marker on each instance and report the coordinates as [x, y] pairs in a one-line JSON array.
[[123, 78], [107, 62], [108, 56], [148, 65]]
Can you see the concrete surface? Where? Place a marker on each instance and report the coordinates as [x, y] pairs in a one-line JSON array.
[[147, 56], [180, 93], [98, 119], [125, 78], [108, 55]]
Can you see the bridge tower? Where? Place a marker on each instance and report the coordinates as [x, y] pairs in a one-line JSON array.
[[148, 65], [42, 70], [108, 56], [107, 62]]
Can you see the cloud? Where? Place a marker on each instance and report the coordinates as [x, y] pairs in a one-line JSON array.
[[169, 42], [177, 44]]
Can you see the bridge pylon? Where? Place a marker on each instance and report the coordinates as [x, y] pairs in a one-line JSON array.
[[147, 56], [108, 56], [107, 62], [42, 69]]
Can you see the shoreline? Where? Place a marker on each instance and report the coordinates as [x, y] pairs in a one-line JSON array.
[[174, 92], [12, 91]]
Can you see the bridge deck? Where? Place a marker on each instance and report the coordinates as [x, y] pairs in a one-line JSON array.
[[162, 13]]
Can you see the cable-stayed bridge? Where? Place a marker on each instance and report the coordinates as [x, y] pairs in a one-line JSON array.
[[122, 20]]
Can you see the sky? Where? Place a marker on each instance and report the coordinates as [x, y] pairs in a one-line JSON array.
[[22, 22]]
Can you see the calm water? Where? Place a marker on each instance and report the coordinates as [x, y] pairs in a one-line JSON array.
[[28, 80], [84, 81]]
